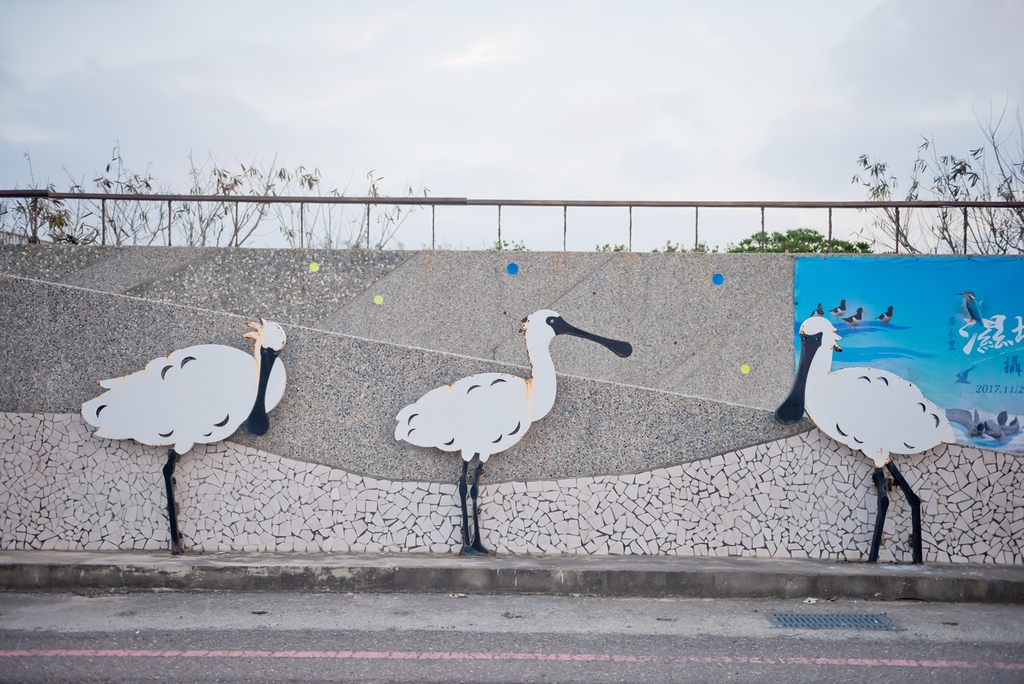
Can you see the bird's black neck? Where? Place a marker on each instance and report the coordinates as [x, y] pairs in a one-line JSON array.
[[258, 423], [792, 408]]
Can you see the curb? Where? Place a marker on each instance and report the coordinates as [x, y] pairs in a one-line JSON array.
[[609, 576]]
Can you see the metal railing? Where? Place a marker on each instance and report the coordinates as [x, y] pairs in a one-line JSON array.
[[9, 238], [433, 202]]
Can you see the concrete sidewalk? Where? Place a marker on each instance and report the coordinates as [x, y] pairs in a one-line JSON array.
[[553, 575]]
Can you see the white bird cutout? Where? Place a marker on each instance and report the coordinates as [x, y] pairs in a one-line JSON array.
[[872, 411], [487, 413], [200, 394]]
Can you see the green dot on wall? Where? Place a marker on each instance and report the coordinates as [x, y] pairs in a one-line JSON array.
[[378, 299], [744, 369], [314, 267]]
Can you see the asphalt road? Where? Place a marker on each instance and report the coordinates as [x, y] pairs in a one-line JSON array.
[[168, 636]]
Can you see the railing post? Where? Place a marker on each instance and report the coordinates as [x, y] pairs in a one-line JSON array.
[[103, 220], [830, 230], [965, 231], [631, 229], [696, 233], [897, 230], [565, 224], [34, 215], [433, 208], [762, 229], [302, 224], [499, 226], [168, 223], [367, 228]]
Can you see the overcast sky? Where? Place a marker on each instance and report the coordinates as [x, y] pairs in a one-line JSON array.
[[554, 100]]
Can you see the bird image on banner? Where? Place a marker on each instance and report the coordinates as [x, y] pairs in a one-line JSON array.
[[854, 320], [972, 308]]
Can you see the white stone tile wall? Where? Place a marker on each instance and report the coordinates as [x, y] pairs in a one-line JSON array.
[[805, 497]]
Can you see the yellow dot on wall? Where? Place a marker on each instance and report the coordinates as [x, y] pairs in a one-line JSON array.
[[314, 267], [378, 299], [744, 369]]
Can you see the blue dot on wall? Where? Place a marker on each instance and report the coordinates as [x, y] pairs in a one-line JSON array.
[[512, 269], [718, 279]]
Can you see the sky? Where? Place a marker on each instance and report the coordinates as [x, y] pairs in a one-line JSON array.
[[527, 100]]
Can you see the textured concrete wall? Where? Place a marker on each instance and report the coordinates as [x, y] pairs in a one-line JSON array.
[[802, 497], [344, 391], [275, 284], [690, 336]]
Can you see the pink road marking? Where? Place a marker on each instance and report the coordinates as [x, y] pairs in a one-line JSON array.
[[554, 657]]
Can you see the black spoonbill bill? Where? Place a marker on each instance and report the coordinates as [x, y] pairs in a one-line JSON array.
[[869, 410], [487, 413], [196, 394]]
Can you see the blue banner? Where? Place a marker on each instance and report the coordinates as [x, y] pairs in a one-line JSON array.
[[953, 326]]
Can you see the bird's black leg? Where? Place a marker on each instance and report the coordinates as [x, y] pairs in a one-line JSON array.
[[172, 512], [474, 492], [915, 512], [883, 506], [467, 547]]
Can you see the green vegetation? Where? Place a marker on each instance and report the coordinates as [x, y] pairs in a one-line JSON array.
[[505, 246], [670, 247], [798, 241]]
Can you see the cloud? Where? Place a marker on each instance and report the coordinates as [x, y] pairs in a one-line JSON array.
[[15, 131], [18, 121], [927, 59], [353, 35], [512, 46], [589, 101]]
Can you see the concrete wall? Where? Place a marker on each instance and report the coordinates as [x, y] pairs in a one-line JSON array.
[[690, 336], [670, 413], [681, 396]]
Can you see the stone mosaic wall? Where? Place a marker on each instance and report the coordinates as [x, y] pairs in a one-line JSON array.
[[805, 496]]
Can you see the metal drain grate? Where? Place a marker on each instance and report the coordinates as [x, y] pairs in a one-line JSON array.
[[833, 621]]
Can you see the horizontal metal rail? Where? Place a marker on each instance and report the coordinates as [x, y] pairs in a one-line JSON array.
[[465, 201], [52, 195]]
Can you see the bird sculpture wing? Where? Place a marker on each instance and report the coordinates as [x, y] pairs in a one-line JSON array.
[[482, 414], [879, 413], [196, 394]]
